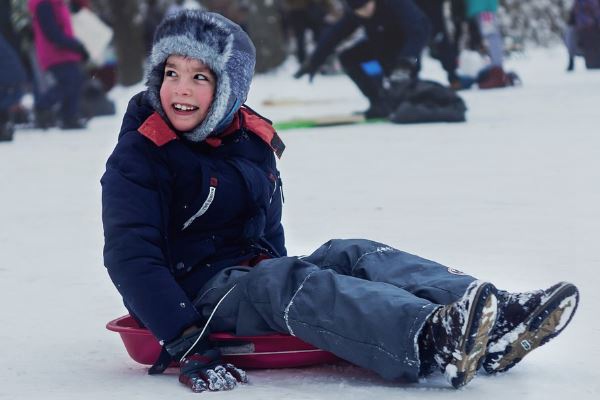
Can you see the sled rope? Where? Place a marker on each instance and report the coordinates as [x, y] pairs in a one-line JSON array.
[[206, 324]]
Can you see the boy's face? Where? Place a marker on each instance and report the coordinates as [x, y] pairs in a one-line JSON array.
[[186, 92]]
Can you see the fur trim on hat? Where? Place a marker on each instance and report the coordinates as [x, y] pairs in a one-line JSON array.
[[220, 44]]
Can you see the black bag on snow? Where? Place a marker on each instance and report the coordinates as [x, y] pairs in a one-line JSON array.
[[425, 101]]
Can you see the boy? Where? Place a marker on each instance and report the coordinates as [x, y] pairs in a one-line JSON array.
[[193, 241]]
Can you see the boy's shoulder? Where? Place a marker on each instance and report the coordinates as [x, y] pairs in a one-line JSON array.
[[157, 131], [246, 120], [263, 128], [142, 121]]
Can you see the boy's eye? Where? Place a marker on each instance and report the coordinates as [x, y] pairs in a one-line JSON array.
[[201, 77], [170, 73]]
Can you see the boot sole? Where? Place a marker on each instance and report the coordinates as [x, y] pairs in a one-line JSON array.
[[469, 355], [545, 323]]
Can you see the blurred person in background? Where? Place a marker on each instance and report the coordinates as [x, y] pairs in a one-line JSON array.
[[61, 55], [396, 33], [12, 80], [442, 46], [587, 25], [484, 13], [14, 28], [571, 40], [303, 16]]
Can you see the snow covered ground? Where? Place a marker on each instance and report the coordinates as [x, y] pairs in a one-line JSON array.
[[511, 196]]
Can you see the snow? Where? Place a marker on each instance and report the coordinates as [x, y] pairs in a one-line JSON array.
[[568, 305], [510, 196]]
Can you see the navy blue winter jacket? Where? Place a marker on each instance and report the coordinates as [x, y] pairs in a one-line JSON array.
[[176, 212], [397, 29]]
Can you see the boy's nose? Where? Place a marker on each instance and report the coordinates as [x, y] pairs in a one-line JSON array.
[[183, 90]]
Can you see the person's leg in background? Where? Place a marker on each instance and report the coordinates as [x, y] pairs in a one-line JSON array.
[[69, 79], [298, 23], [362, 65], [493, 76], [490, 31]]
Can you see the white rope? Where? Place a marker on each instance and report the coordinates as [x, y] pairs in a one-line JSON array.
[[207, 322]]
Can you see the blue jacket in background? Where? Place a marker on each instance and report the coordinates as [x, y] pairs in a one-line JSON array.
[[175, 212], [12, 75]]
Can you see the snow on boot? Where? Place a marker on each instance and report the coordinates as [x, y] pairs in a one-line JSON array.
[[526, 321], [458, 333]]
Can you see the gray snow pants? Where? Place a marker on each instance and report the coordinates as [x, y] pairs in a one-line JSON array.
[[364, 301]]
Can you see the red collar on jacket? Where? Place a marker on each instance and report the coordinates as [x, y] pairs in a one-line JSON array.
[[158, 131]]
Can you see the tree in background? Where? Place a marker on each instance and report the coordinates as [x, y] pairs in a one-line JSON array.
[[262, 20], [540, 22], [128, 30]]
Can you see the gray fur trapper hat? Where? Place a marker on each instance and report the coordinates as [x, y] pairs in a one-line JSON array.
[[220, 44]]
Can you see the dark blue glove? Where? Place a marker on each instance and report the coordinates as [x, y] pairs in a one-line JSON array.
[[201, 366], [205, 371]]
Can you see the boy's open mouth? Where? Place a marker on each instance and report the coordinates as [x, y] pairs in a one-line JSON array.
[[181, 108]]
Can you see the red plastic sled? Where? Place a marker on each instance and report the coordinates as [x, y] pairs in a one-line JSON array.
[[268, 351]]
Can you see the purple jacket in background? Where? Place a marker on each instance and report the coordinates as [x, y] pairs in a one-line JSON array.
[[587, 14], [55, 42]]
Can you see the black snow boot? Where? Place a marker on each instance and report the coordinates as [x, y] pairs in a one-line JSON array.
[[456, 335], [7, 128], [526, 321]]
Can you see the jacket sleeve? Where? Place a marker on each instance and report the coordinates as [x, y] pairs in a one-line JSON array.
[[332, 37], [51, 29], [134, 210]]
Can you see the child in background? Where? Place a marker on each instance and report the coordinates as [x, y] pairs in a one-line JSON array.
[[192, 203], [484, 12], [12, 80], [61, 54]]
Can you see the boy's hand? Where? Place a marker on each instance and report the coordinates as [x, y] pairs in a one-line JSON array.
[[205, 371]]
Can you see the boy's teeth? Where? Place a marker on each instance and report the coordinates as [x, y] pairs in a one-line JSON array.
[[184, 108]]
